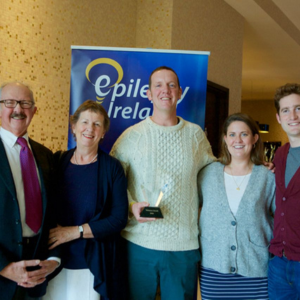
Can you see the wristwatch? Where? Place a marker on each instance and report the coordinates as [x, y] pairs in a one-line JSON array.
[[80, 228]]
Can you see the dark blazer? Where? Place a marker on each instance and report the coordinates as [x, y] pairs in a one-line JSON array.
[[10, 224], [104, 253]]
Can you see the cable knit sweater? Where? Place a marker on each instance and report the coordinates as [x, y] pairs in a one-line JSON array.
[[152, 156]]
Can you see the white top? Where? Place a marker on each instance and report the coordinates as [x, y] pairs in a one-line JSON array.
[[12, 149], [152, 156], [234, 195]]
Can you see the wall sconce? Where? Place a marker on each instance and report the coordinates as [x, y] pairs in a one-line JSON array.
[[263, 128]]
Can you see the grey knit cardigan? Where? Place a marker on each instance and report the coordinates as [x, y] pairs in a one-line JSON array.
[[236, 244]]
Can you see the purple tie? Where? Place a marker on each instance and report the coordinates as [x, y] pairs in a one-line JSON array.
[[32, 191]]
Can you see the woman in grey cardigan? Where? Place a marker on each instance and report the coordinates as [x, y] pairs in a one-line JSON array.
[[237, 195]]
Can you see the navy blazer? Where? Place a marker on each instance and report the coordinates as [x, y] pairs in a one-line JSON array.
[[104, 253], [10, 225]]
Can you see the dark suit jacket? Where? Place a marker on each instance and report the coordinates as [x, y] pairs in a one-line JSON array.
[[10, 225], [104, 253]]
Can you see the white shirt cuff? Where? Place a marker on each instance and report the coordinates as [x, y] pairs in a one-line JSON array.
[[56, 259]]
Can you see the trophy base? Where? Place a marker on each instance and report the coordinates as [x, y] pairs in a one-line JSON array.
[[152, 212]]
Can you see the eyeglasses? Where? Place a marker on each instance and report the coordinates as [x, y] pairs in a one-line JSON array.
[[11, 103]]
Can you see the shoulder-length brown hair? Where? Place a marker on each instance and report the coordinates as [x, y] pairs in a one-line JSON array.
[[257, 154]]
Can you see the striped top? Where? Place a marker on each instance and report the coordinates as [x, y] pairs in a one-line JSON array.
[[215, 285]]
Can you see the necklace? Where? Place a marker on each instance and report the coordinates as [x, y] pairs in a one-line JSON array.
[[238, 185], [88, 162]]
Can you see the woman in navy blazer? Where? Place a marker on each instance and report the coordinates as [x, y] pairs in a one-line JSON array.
[[92, 209]]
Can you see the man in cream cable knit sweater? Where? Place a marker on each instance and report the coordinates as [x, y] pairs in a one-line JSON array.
[[163, 149]]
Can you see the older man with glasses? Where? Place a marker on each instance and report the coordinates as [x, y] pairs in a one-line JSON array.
[[25, 182]]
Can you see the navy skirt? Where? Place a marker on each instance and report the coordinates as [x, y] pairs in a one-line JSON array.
[[215, 285]]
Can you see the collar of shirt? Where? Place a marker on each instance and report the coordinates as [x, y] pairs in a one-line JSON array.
[[10, 139]]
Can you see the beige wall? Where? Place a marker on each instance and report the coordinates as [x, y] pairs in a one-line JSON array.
[[154, 24], [265, 113], [216, 27], [35, 39]]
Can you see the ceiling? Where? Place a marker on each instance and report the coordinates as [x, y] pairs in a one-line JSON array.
[[271, 51]]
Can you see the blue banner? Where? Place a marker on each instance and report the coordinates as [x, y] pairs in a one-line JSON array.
[[118, 79]]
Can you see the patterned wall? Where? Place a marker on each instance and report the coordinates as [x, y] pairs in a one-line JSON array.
[[154, 24], [216, 27], [35, 39]]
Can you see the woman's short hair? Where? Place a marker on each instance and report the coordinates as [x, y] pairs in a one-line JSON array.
[[257, 154], [90, 105]]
